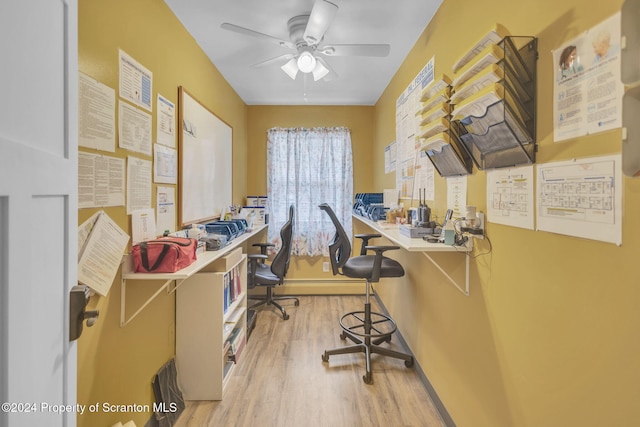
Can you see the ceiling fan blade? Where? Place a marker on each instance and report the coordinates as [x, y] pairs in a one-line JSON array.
[[379, 50], [275, 60], [321, 17], [261, 36]]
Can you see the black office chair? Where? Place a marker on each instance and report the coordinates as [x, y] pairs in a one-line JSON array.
[[271, 275], [366, 329]]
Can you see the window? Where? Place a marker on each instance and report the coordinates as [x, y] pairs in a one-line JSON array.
[[307, 167]]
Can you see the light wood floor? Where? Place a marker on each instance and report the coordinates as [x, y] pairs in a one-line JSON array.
[[282, 381]]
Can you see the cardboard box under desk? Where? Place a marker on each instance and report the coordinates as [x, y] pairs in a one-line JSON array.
[[225, 263]]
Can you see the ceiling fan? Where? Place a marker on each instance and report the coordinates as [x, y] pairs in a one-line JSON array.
[[306, 32]]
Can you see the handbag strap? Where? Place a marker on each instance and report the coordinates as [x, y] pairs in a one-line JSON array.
[[179, 242], [145, 257]]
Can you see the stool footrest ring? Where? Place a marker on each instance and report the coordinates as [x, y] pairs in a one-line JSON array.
[[379, 325]]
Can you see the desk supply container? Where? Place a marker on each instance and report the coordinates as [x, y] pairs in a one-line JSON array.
[[449, 234]]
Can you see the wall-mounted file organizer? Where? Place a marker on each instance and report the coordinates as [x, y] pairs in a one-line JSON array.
[[630, 75], [437, 137], [494, 103], [435, 108], [446, 153]]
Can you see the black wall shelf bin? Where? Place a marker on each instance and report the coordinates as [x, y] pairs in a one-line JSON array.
[[447, 154], [504, 135]]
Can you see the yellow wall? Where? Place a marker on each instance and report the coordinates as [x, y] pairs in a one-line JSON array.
[[358, 119], [116, 365], [548, 335]]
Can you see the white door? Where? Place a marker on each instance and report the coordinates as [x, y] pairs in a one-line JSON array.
[[38, 210]]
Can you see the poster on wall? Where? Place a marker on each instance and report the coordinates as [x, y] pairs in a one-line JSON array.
[[457, 195], [136, 82], [581, 198], [138, 184], [100, 252], [166, 122], [100, 180], [134, 129], [407, 127], [166, 208], [587, 90], [510, 196], [96, 114], [165, 164]]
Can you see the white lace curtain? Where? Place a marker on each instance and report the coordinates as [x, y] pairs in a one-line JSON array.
[[307, 167]]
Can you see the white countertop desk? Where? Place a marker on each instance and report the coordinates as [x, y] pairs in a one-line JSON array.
[[204, 259], [392, 233]]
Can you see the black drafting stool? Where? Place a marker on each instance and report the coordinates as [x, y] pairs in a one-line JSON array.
[[271, 275], [366, 329]]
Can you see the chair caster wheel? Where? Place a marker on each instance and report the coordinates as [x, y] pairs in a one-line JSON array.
[[408, 363], [325, 358], [296, 303], [285, 317], [368, 378], [343, 336]]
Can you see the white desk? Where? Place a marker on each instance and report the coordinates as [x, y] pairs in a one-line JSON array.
[[204, 259], [392, 233]]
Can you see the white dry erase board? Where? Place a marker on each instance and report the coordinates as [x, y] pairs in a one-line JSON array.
[[205, 161]]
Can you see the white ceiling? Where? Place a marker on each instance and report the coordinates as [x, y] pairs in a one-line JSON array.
[[360, 81]]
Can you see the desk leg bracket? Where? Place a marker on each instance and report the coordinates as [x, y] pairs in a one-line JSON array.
[[123, 300], [464, 290]]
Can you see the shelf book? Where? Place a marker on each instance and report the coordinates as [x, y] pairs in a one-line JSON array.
[[232, 282], [236, 342]]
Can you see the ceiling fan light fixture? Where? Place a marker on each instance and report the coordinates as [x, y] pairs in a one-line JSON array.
[[319, 72], [291, 68], [306, 62]]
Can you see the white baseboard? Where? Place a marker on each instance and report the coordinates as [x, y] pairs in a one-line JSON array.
[[318, 287]]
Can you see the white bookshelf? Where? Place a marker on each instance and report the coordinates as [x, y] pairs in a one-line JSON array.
[[203, 327]]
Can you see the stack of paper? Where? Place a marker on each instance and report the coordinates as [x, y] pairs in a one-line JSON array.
[[478, 103], [434, 87], [491, 38], [435, 110], [492, 54], [436, 142], [491, 74], [440, 97], [438, 111], [433, 128]]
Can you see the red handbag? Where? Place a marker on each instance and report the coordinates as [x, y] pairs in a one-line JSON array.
[[164, 255]]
